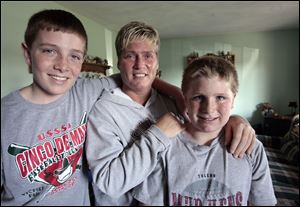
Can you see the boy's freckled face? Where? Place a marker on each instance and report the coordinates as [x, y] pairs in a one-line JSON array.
[[209, 102], [56, 60]]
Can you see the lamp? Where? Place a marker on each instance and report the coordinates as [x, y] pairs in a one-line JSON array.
[[293, 105]]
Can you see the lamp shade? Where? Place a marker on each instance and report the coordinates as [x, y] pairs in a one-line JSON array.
[[293, 104]]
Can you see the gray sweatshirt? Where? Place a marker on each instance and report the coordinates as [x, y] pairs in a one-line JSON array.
[[198, 175], [122, 144], [42, 160]]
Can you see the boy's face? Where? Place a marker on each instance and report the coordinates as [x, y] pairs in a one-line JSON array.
[[138, 65], [209, 101], [55, 59]]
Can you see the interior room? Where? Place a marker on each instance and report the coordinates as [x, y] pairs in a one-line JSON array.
[[261, 38]]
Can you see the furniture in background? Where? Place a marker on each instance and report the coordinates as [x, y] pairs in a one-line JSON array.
[[94, 67], [192, 56], [293, 105], [284, 173], [276, 125], [227, 56], [283, 157]]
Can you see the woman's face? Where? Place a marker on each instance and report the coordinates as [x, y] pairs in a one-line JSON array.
[[138, 64]]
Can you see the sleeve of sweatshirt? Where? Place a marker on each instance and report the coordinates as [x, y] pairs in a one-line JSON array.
[[2, 173], [93, 87], [115, 166], [153, 191], [262, 191]]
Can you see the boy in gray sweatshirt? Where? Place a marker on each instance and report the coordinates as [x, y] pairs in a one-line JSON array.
[[197, 170]]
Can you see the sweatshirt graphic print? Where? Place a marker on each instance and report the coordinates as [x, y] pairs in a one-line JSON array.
[[54, 161], [207, 192]]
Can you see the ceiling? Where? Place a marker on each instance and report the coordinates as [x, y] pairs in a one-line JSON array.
[[192, 18]]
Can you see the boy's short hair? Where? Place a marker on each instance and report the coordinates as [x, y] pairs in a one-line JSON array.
[[55, 20], [136, 31], [210, 66]]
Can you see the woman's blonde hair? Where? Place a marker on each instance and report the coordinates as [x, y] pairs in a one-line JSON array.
[[136, 31]]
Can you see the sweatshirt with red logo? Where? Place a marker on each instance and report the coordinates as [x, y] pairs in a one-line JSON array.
[[42, 147]]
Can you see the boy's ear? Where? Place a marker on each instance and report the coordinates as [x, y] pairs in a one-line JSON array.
[[232, 105], [185, 100], [26, 54], [118, 64]]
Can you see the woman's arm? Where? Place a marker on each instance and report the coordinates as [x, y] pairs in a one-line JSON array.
[[173, 91], [240, 135]]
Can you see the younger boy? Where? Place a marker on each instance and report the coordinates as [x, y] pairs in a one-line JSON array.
[[197, 170]]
